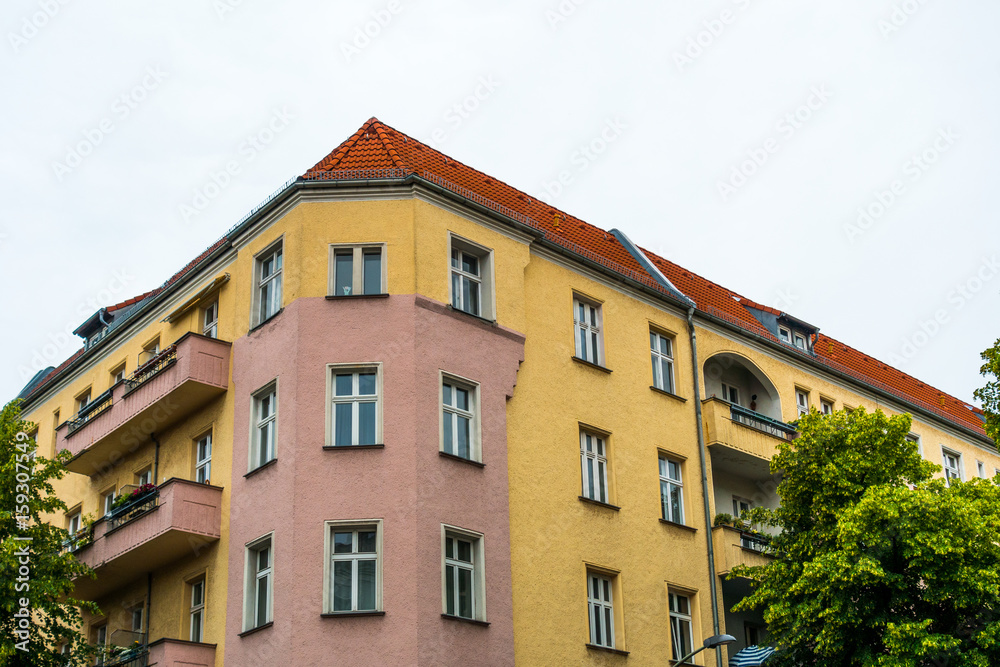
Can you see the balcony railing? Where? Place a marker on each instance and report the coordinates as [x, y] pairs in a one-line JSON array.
[[762, 423], [734, 546], [127, 649], [152, 367], [90, 411], [133, 509], [742, 432]]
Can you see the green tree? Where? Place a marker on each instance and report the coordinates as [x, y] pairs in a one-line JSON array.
[[876, 563], [990, 394], [35, 571]]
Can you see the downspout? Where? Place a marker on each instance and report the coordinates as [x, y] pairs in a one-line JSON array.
[[704, 482], [156, 459], [149, 603]]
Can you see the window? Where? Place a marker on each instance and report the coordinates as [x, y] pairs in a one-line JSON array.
[[800, 340], [268, 273], [981, 469], [952, 466], [197, 611], [740, 506], [587, 325], [136, 615], [459, 426], [101, 641], [257, 591], [754, 634], [83, 400], [464, 580], [471, 278], [356, 270], [149, 351], [210, 320], [601, 610], [671, 490], [265, 426], [355, 409], [118, 373], [108, 500], [730, 393], [73, 523], [354, 571], [785, 334], [681, 639], [826, 406], [203, 459], [594, 462], [913, 437], [662, 353], [802, 401], [144, 476]]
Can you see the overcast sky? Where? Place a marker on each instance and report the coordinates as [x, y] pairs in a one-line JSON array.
[[834, 160]]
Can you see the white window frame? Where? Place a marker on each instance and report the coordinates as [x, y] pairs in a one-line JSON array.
[[196, 612], [663, 381], [149, 351], [332, 401], [826, 406], [73, 522], [145, 476], [83, 399], [358, 252], [591, 460], [950, 472], [107, 500], [252, 575], [591, 329], [485, 279], [210, 319], [981, 469], [602, 632], [913, 437], [727, 394], [267, 289], [452, 412], [478, 570], [667, 484], [203, 463], [330, 527], [785, 335], [801, 406], [102, 643], [118, 373], [270, 447], [678, 620], [137, 612], [797, 338]]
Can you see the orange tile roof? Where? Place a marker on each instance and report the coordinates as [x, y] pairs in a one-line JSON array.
[[379, 151]]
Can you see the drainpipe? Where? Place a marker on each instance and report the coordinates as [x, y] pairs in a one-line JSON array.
[[704, 482], [156, 459], [149, 602]]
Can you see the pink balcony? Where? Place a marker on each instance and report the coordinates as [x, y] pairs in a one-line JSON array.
[[182, 518], [182, 378], [177, 653]]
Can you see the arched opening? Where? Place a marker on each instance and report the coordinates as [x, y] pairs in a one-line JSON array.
[[738, 380]]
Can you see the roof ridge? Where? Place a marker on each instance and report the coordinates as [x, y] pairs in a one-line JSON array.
[[380, 130], [337, 154]]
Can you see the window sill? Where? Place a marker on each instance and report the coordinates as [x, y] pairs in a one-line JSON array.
[[472, 315], [340, 448], [667, 393], [595, 647], [260, 324], [599, 503], [679, 525], [460, 619], [461, 459], [350, 614], [257, 629], [591, 364], [337, 297], [261, 467]]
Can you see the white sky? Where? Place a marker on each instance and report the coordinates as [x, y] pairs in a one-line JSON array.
[[72, 231]]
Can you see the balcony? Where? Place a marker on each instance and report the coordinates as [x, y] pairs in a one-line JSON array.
[[744, 431], [179, 380], [177, 519], [737, 547], [164, 653]]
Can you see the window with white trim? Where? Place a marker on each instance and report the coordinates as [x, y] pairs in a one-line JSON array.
[[149, 351], [264, 420], [587, 323], [355, 409], [108, 501], [471, 274], [952, 465], [136, 614], [981, 469], [671, 490], [203, 459], [144, 476], [730, 393], [196, 613], [913, 437], [594, 466], [826, 406], [354, 567], [357, 269], [118, 373], [73, 523], [662, 354], [464, 585], [83, 400], [459, 422], [210, 320], [802, 401], [601, 609], [101, 642], [681, 630], [267, 295], [799, 341], [785, 335], [258, 589]]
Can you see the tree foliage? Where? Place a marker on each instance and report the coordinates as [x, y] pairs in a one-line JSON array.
[[990, 394], [34, 567], [876, 563]]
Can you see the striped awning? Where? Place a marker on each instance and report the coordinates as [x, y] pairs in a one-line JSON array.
[[751, 656]]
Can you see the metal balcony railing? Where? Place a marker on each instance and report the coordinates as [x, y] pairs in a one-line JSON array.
[[89, 411], [762, 423], [127, 649], [133, 509], [152, 367], [755, 542]]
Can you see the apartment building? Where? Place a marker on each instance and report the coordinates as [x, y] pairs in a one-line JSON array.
[[403, 413]]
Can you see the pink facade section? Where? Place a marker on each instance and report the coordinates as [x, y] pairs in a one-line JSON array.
[[407, 484], [176, 653]]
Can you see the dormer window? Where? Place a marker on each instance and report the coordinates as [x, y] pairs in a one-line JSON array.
[[800, 341], [785, 334]]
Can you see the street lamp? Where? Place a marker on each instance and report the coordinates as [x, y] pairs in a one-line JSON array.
[[712, 642]]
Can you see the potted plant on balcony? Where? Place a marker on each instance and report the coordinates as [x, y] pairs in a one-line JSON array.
[[126, 501]]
